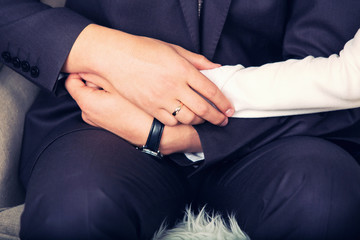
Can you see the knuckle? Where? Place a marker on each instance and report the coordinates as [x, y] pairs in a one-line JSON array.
[[166, 119], [186, 122], [81, 102], [176, 47], [202, 58], [189, 119], [169, 83], [220, 120], [202, 109], [212, 91], [183, 66], [86, 108], [171, 122], [192, 119], [84, 117]]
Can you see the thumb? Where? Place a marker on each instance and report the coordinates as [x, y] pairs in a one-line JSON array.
[[75, 86]]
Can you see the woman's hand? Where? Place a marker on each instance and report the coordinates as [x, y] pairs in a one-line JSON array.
[[108, 110], [155, 76], [105, 108]]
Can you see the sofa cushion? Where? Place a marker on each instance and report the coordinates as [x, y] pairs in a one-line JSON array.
[[10, 223], [16, 95]]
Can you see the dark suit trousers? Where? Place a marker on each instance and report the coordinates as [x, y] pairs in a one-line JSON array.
[[90, 184]]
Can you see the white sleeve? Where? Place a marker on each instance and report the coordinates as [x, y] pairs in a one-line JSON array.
[[294, 86], [291, 87]]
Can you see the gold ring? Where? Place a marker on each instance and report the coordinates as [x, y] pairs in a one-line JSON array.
[[177, 110]]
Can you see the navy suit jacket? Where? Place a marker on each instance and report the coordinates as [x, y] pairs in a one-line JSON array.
[[36, 39]]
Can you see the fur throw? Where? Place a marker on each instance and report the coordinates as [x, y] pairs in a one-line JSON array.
[[203, 226]]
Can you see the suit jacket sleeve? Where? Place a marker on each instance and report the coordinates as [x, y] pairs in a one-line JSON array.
[[317, 28], [36, 39]]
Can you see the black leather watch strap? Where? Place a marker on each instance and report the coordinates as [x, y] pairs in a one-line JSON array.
[[153, 141]]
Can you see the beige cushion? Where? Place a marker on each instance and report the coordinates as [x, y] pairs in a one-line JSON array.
[[16, 96], [10, 223]]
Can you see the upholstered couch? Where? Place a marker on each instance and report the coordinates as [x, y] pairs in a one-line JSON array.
[[16, 96]]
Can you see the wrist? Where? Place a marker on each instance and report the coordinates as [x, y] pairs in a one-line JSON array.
[[152, 144], [92, 50], [181, 138], [78, 59]]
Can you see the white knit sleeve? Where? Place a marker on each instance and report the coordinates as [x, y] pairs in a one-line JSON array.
[[294, 86]]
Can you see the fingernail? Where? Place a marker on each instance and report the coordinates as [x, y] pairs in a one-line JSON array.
[[224, 123], [229, 112]]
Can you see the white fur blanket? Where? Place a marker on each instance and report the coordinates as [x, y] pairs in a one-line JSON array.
[[203, 226]]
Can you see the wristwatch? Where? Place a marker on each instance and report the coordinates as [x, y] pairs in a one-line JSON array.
[[152, 144]]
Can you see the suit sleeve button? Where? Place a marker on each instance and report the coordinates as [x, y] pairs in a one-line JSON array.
[[6, 56], [25, 66], [16, 62], [34, 72]]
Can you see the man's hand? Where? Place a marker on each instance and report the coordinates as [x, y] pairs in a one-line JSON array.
[[155, 76], [103, 107]]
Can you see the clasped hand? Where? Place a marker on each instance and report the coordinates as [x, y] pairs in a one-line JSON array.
[[107, 109], [139, 78]]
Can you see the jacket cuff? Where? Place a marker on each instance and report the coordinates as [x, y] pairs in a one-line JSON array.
[[37, 46]]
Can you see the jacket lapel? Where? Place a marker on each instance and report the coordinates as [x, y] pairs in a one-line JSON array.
[[214, 13], [190, 11]]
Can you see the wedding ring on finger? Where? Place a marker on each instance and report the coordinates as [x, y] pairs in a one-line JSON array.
[[177, 110]]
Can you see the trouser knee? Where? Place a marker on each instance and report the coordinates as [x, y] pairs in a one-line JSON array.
[[298, 187]]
